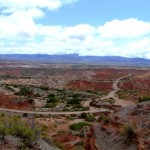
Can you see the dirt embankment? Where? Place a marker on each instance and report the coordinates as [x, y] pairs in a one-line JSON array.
[[128, 129], [13, 102]]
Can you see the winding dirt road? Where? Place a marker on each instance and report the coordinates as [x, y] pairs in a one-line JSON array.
[[115, 89], [111, 94]]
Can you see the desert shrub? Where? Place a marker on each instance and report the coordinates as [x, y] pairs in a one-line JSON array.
[[129, 133], [68, 105], [24, 90], [90, 118], [30, 100], [37, 95], [74, 101], [78, 126], [85, 108], [77, 106], [144, 98], [111, 101], [45, 88], [52, 98], [107, 120], [60, 90], [15, 126], [62, 131], [83, 115], [3, 130], [103, 118], [76, 95], [25, 115]]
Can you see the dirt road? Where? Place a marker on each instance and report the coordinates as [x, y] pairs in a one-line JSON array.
[[51, 113], [112, 94]]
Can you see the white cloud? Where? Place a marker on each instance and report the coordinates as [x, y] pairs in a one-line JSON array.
[[18, 5], [124, 28], [17, 24], [19, 32], [80, 31]]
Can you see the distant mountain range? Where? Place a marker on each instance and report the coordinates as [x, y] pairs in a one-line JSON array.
[[76, 59]]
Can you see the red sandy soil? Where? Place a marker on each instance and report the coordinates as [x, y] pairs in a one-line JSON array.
[[58, 130], [68, 140], [109, 74], [141, 82], [89, 85], [12, 102], [138, 83]]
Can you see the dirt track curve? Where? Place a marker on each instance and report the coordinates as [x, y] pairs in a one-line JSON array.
[[115, 89], [111, 94]]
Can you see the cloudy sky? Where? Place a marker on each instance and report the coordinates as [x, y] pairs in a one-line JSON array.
[[87, 27]]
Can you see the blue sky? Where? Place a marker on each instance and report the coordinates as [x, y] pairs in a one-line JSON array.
[[97, 12], [87, 27]]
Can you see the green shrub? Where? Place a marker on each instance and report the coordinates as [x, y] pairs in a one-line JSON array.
[[45, 88], [24, 90], [83, 115], [90, 118], [52, 98], [30, 100], [74, 101], [85, 108], [111, 101], [144, 98], [78, 126], [107, 120], [103, 118], [78, 106], [15, 126], [129, 133]]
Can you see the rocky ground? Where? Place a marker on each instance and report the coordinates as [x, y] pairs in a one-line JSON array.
[[14, 143], [127, 129]]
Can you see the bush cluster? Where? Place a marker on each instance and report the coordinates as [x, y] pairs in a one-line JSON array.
[[16, 127], [103, 118], [129, 133], [144, 98], [78, 126], [90, 118]]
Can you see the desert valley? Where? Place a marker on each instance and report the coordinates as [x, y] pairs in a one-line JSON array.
[[73, 106]]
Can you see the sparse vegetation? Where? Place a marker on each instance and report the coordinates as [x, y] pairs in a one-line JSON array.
[[57, 88], [78, 126], [129, 133], [90, 118], [144, 98], [83, 115], [25, 91], [74, 101], [15, 126], [46, 88], [103, 118], [52, 98]]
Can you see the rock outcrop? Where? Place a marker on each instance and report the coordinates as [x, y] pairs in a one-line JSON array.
[[128, 129]]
